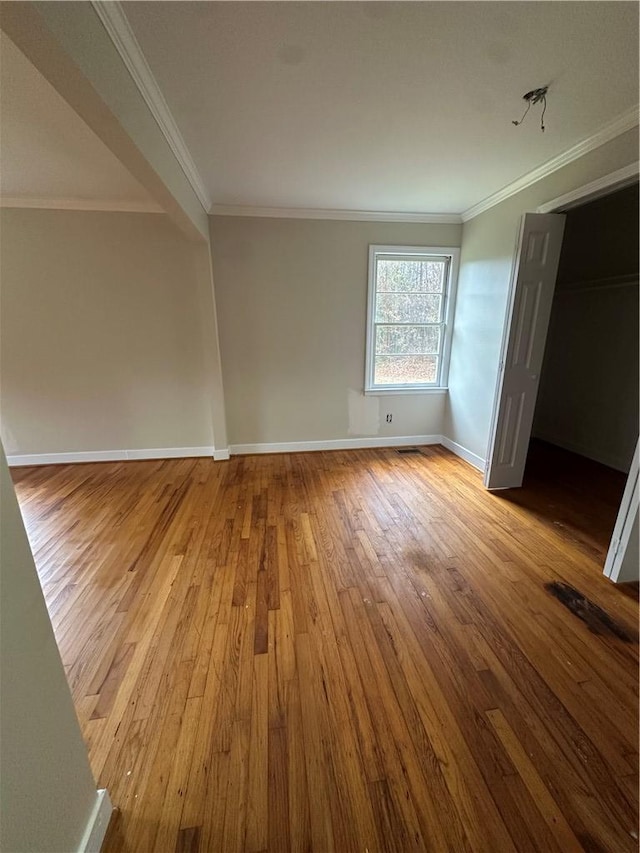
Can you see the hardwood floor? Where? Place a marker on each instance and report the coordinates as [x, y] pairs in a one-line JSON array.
[[350, 651], [577, 496]]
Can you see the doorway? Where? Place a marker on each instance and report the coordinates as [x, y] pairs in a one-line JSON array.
[[585, 425], [588, 394], [585, 417]]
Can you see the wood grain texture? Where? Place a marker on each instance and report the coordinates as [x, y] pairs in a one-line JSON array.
[[349, 651]]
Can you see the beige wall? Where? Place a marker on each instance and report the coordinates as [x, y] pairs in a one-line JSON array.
[[101, 334], [47, 793], [488, 247], [292, 296]]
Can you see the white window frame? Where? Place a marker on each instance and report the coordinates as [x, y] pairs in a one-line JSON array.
[[449, 295]]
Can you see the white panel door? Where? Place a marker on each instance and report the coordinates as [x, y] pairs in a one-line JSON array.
[[532, 287], [623, 558]]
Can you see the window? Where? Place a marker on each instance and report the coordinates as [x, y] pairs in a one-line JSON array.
[[409, 318]]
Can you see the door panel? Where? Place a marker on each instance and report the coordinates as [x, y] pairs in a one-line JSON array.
[[510, 428], [527, 318], [534, 280]]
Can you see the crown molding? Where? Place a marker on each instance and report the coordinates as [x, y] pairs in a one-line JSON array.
[[117, 26], [109, 206], [320, 213], [617, 127]]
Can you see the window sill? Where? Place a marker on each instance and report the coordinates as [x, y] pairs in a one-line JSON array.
[[380, 392]]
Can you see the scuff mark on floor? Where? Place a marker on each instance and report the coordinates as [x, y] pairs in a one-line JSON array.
[[595, 618]]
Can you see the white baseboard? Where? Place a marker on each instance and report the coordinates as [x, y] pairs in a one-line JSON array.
[[472, 458], [115, 455], [97, 824], [244, 449], [334, 444]]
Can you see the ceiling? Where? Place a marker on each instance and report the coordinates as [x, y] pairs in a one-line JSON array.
[[48, 155], [383, 106], [403, 107]]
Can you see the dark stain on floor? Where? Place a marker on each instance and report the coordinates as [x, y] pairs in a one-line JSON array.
[[595, 618]]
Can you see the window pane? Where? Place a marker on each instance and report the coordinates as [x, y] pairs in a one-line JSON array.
[[392, 340], [408, 308], [398, 276], [405, 369]]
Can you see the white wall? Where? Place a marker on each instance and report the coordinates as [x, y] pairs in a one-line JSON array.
[[488, 248], [292, 298], [102, 345], [47, 793], [588, 396]]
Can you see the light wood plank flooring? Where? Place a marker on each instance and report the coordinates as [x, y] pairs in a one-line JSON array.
[[349, 651]]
